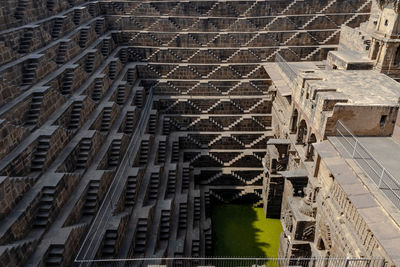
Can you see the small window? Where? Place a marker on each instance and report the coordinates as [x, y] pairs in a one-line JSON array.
[[383, 120], [334, 67], [386, 22]]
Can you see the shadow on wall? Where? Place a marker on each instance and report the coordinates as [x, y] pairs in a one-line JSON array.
[[243, 230]]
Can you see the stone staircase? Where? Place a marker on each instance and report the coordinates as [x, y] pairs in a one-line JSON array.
[[141, 237], [55, 255], [83, 155], [109, 244], [68, 82], [91, 57], [40, 154], [114, 154], [74, 122], [130, 193], [34, 112], [106, 119], [98, 89], [90, 204], [45, 208], [129, 123]]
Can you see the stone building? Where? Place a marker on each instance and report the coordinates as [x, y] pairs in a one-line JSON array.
[[123, 122], [332, 171]]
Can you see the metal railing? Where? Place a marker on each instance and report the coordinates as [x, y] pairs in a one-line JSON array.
[[286, 68], [93, 236], [235, 262], [378, 174]]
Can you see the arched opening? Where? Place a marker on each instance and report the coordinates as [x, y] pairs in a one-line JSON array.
[[320, 244], [310, 147], [293, 127], [396, 61], [302, 133], [376, 50]]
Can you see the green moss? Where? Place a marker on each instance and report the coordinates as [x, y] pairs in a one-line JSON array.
[[242, 230]]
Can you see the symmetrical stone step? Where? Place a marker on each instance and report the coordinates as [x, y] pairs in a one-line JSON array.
[[114, 153], [34, 111], [139, 98], [92, 9], [105, 49], [83, 156], [43, 215], [197, 209], [98, 88], [109, 244], [99, 26], [183, 210], [162, 151], [121, 94], [83, 38], [68, 82], [165, 223], [171, 185], [40, 155], [62, 52], [152, 124], [130, 193], [185, 178], [57, 26], [26, 41], [203, 66], [90, 61], [106, 119], [74, 122], [140, 237], [20, 9], [29, 74], [196, 248], [55, 255], [166, 126], [90, 205], [208, 241], [113, 70], [175, 151], [130, 122], [144, 152], [77, 16]]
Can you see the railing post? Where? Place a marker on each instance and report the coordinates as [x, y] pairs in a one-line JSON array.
[[381, 178], [346, 263], [355, 147]]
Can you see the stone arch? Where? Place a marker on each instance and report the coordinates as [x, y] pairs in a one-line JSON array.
[[375, 50], [310, 148], [293, 125], [302, 132], [326, 235], [396, 61], [320, 244]]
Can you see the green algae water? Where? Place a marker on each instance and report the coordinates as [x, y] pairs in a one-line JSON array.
[[243, 230]]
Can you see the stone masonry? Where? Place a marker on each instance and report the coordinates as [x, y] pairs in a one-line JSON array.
[[335, 125], [123, 122]]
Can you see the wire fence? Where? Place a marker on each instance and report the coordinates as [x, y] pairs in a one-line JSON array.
[[286, 68], [381, 177], [103, 216], [235, 262]]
